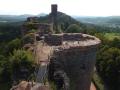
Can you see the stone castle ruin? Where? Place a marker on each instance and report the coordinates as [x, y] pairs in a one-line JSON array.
[[71, 56], [75, 57], [42, 28]]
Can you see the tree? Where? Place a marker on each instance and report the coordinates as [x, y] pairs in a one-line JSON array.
[[74, 28], [103, 39], [115, 43], [28, 38], [22, 64], [14, 44], [3, 60], [108, 65], [5, 73]]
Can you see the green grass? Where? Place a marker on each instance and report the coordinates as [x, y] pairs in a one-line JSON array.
[[111, 36]]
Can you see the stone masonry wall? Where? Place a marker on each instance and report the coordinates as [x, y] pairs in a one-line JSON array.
[[78, 63], [58, 39]]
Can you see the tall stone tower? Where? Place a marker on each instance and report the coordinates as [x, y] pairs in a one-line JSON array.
[[54, 9], [53, 17]]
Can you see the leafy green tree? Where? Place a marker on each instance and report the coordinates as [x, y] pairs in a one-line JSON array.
[[103, 39], [22, 64], [32, 31], [5, 73], [2, 60], [115, 43], [9, 31], [74, 28], [108, 65], [14, 44], [28, 38]]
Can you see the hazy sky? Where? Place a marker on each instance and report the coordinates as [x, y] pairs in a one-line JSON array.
[[71, 7]]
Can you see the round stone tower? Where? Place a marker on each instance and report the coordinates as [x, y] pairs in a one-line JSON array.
[[76, 57]]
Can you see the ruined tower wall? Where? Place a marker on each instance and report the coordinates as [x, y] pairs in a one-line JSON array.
[[76, 61], [42, 28], [53, 39]]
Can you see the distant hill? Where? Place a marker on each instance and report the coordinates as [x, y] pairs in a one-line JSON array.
[[112, 21], [63, 20], [12, 18], [17, 18]]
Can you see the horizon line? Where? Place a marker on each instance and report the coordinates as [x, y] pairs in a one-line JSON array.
[[65, 13]]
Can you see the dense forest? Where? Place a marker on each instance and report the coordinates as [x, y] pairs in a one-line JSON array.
[[13, 57]]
